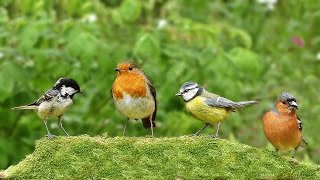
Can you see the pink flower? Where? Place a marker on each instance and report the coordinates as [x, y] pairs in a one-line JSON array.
[[298, 41]]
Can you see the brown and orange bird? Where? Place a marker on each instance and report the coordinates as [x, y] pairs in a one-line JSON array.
[[282, 126], [134, 95]]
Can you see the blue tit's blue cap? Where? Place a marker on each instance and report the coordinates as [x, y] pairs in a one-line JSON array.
[[189, 85]]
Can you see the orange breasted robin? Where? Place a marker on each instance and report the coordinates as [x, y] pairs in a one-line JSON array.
[[282, 126], [134, 95]]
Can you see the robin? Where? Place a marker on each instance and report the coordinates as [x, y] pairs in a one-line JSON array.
[[55, 102], [282, 126], [207, 107], [134, 95]]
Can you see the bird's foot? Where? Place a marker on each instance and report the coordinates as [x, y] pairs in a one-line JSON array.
[[216, 136], [195, 134], [51, 136]]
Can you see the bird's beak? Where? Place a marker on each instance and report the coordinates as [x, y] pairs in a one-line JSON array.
[[179, 94], [293, 105], [117, 69]]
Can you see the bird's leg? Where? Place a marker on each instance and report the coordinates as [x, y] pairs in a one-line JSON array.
[[51, 136], [60, 125], [198, 132], [295, 151], [304, 141], [151, 125], [125, 126], [216, 135]]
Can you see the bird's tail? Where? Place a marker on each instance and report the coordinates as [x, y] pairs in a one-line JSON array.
[[146, 121], [24, 107], [241, 104]]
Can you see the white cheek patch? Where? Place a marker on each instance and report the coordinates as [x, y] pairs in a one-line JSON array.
[[190, 94], [67, 90]]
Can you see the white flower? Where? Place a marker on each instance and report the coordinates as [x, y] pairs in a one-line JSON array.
[[90, 18], [269, 3], [19, 58], [162, 23], [270, 6], [318, 56]]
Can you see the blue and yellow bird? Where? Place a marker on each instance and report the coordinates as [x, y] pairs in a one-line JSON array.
[[208, 107]]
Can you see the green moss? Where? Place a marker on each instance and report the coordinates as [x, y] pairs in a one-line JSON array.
[[84, 157]]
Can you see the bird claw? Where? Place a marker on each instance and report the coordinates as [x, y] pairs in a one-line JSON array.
[[51, 136], [149, 136], [216, 136], [195, 134]]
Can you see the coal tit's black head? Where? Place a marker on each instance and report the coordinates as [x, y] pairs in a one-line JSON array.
[[67, 87]]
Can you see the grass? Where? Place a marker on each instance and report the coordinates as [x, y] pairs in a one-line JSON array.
[[83, 157]]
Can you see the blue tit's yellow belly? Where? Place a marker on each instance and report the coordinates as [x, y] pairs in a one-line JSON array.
[[203, 112]]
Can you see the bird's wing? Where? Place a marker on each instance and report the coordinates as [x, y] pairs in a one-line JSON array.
[[300, 127], [47, 96], [220, 102], [146, 121], [207, 94]]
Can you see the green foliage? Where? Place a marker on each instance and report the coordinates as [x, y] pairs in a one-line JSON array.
[[84, 157], [237, 49], [147, 47]]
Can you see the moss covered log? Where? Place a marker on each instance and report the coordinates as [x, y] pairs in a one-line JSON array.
[[84, 157]]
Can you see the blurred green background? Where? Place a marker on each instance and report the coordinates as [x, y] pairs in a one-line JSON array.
[[242, 49]]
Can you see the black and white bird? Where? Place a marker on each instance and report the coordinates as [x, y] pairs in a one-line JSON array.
[[55, 102]]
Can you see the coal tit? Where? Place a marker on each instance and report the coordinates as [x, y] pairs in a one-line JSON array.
[[55, 102]]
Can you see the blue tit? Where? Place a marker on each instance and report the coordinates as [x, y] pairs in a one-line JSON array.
[[208, 107]]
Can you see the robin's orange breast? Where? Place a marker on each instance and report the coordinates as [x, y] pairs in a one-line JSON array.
[[282, 130], [132, 84]]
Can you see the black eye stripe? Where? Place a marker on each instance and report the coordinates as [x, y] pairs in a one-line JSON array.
[[290, 100]]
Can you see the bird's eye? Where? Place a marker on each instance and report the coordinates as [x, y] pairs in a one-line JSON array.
[[130, 68], [283, 102], [186, 90]]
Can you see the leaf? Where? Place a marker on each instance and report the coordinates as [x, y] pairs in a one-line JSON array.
[[147, 47], [4, 18], [76, 7], [241, 36], [130, 10], [82, 44], [10, 73], [247, 62]]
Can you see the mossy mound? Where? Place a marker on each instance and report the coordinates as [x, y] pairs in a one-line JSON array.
[[84, 157]]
